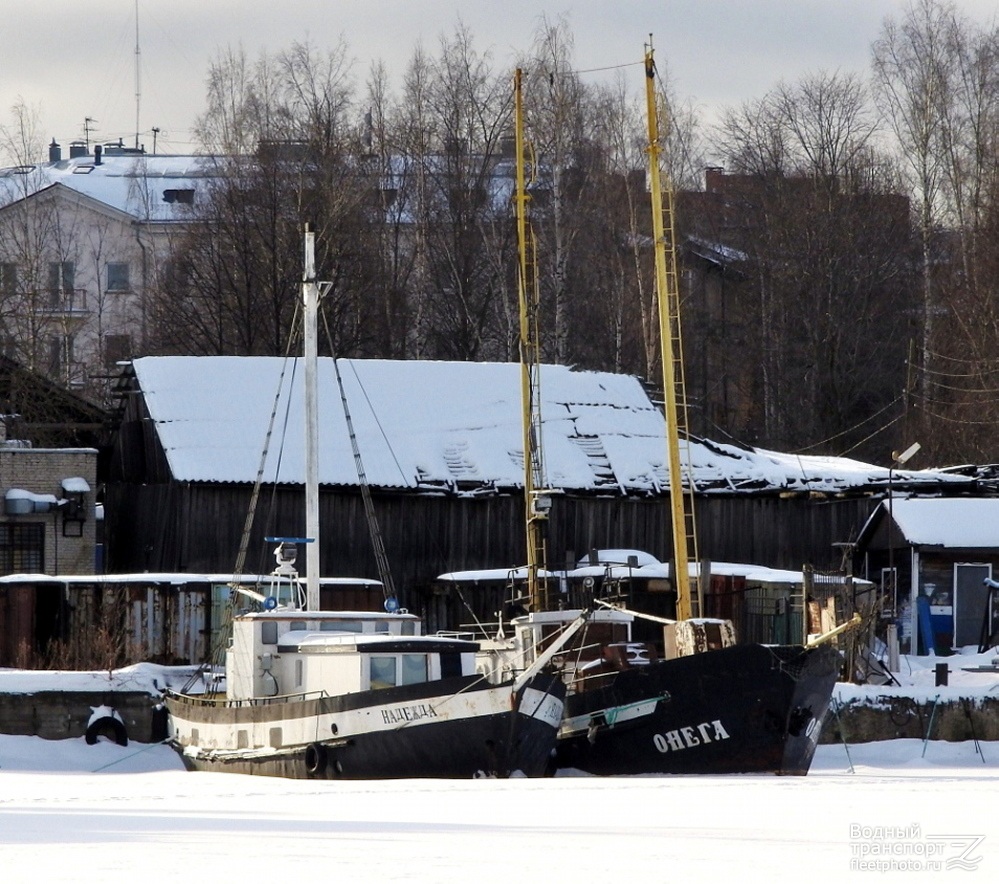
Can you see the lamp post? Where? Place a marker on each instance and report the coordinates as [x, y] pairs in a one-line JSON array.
[[898, 459]]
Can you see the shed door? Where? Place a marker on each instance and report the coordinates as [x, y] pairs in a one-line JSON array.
[[970, 598]]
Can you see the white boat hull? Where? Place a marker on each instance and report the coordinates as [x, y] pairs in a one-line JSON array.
[[461, 727]]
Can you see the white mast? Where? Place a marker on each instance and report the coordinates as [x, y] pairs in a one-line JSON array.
[[310, 299]]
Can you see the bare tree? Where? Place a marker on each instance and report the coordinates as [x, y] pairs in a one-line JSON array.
[[454, 113], [938, 75], [913, 72], [827, 239], [233, 289]]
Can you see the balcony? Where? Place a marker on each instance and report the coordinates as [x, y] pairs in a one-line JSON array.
[[67, 303], [66, 309]]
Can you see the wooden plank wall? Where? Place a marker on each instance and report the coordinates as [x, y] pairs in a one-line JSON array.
[[197, 528]]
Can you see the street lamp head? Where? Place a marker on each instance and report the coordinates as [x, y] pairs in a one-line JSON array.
[[902, 457]]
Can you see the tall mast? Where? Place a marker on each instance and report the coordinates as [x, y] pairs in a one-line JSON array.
[[310, 300], [668, 297], [138, 89], [536, 500]]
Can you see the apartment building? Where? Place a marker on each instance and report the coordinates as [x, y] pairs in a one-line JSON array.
[[84, 240]]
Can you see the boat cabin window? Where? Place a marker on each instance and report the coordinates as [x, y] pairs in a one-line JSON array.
[[269, 632], [382, 672], [341, 626], [398, 669], [587, 644], [450, 665], [414, 668]]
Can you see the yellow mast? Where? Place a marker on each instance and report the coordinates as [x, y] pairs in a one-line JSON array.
[[536, 500], [668, 297]]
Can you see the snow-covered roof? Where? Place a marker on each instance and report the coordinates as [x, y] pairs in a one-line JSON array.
[[958, 523], [143, 186], [715, 251], [614, 563], [450, 425], [173, 578]]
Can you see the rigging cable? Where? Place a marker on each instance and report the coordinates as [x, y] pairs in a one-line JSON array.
[[381, 557], [216, 655]]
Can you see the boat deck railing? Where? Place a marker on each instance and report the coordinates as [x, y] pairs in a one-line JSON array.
[[459, 634], [210, 699]]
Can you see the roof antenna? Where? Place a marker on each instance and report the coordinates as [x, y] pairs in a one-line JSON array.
[[138, 90]]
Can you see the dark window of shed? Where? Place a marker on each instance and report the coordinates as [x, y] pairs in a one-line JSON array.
[[22, 548], [179, 195]]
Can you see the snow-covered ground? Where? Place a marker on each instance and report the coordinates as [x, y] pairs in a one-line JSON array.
[[72, 812], [879, 811], [970, 675]]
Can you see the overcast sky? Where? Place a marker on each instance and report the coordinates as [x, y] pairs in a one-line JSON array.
[[71, 60]]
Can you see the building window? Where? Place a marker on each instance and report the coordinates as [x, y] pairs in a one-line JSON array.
[[117, 348], [118, 276], [61, 355], [55, 356], [179, 195], [22, 548], [62, 278], [8, 279]]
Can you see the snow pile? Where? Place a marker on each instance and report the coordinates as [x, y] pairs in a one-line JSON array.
[[141, 678]]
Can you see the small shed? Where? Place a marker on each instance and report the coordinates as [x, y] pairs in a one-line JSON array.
[[112, 620], [932, 557]]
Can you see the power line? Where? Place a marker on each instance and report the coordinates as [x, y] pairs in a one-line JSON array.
[[613, 67], [987, 422], [855, 427]]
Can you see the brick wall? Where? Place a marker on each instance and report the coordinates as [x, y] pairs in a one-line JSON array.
[[69, 544]]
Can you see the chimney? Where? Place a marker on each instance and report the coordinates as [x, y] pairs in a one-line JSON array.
[[97, 154], [78, 149], [55, 152], [714, 179]]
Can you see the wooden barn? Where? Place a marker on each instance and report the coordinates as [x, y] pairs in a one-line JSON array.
[[440, 445]]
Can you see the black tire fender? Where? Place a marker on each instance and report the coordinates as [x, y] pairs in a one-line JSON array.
[[315, 759], [107, 726]]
